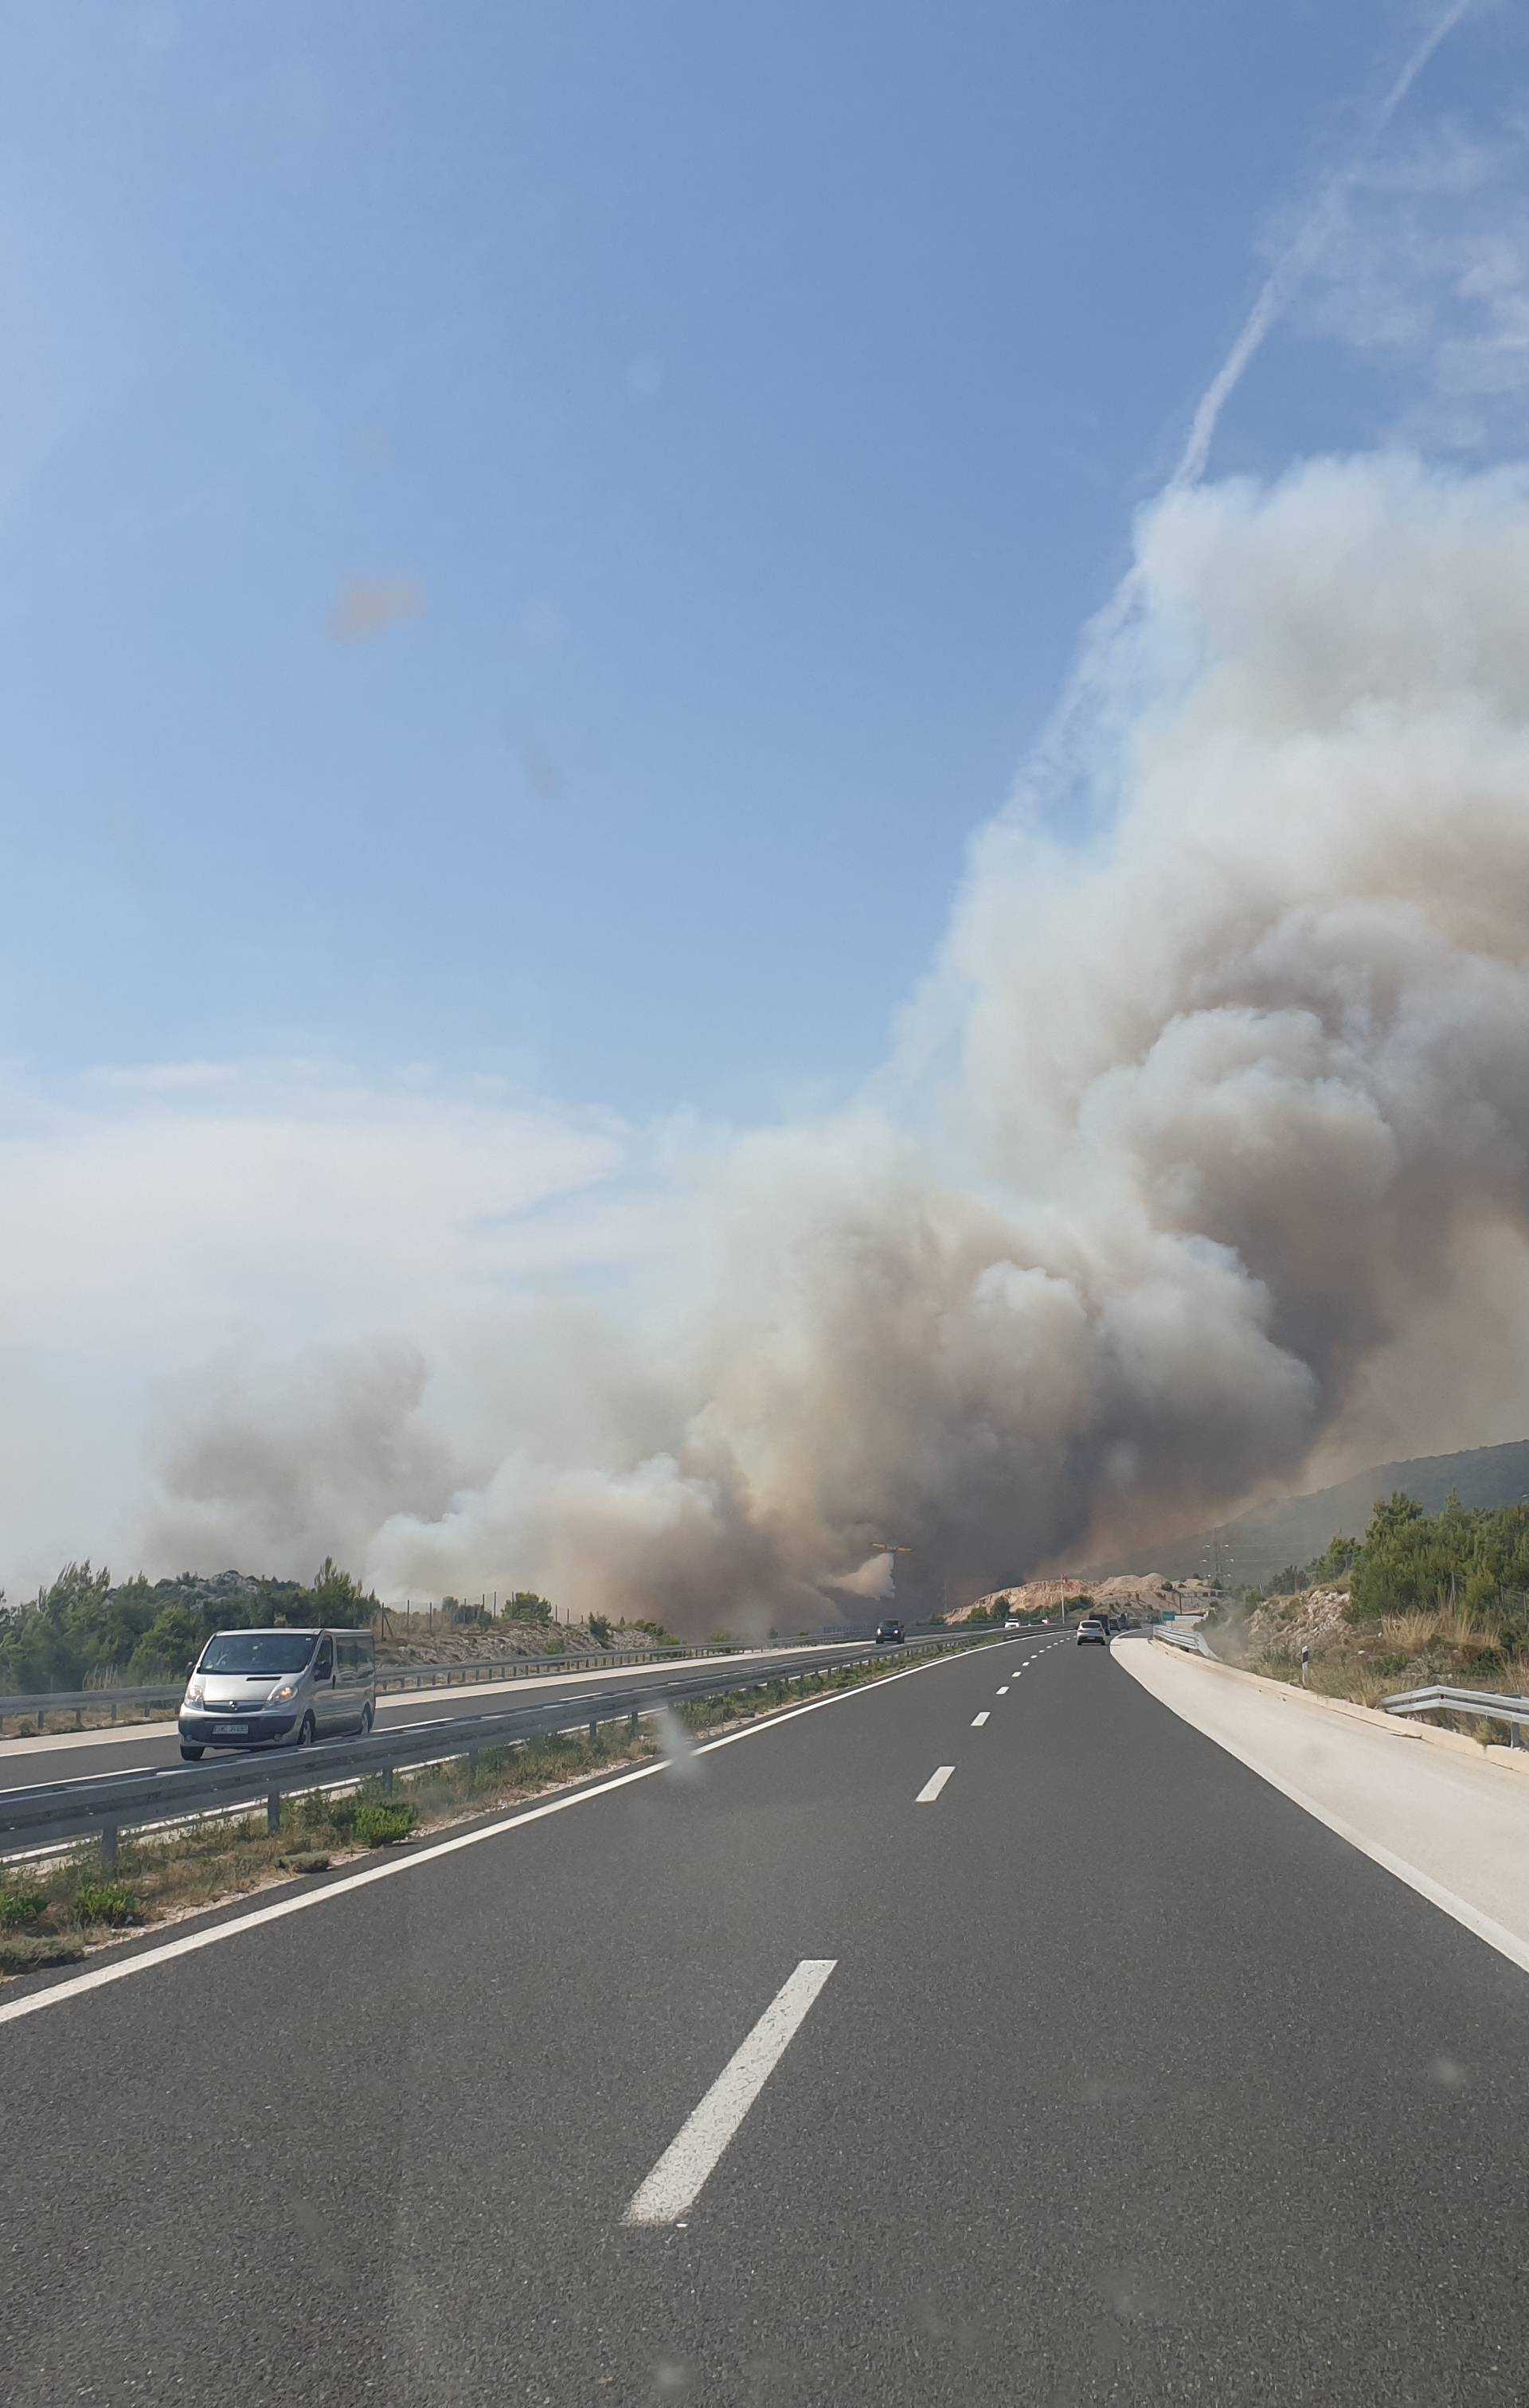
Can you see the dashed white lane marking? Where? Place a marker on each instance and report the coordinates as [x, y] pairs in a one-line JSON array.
[[680, 2171], [80, 1777], [933, 1786], [977, 1720], [1004, 1691], [125, 1969]]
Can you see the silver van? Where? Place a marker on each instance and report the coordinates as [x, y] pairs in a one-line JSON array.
[[260, 1688]]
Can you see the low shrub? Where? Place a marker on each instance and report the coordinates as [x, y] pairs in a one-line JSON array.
[[382, 1826], [22, 1951], [308, 1860], [19, 1907], [105, 1902]]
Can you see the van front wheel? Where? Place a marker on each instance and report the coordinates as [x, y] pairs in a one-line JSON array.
[[304, 1735], [365, 1720], [191, 1755]]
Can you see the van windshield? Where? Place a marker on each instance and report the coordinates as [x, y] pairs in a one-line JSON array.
[[258, 1650]]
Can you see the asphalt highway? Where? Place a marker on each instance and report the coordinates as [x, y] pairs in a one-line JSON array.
[[883, 2054], [63, 1757]]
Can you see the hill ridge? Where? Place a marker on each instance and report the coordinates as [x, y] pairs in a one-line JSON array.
[[1252, 1547]]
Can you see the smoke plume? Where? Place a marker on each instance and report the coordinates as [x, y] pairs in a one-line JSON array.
[[1198, 1118]]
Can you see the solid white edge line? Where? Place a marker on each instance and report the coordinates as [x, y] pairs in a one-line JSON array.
[[691, 2155], [935, 1783], [1496, 1935], [11, 2009], [977, 1720]]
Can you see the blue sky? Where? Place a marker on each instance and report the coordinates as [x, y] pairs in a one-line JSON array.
[[736, 409]]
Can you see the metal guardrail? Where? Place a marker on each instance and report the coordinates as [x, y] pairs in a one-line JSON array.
[[1190, 1639], [78, 1701], [466, 1670], [1486, 1703], [39, 1817], [392, 1679]]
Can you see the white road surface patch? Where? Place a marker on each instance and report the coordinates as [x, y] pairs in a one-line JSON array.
[[933, 1786], [676, 2181], [977, 1720]]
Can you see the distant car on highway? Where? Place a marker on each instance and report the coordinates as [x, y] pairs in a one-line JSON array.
[[264, 1688], [890, 1634], [1091, 1633]]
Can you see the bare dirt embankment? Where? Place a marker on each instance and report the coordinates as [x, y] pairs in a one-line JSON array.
[[1123, 1593]]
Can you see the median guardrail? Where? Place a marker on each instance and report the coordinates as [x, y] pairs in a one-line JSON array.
[[1487, 1704], [38, 1817], [392, 1679]]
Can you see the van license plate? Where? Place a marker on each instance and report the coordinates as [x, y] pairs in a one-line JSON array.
[[230, 1731]]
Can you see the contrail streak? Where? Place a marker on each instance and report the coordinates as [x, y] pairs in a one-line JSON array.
[[1274, 296], [1290, 270]]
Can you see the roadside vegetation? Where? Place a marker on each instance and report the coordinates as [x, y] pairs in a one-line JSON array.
[[1422, 1599], [53, 1910], [84, 1631]]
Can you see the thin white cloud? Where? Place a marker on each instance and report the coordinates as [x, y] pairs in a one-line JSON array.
[[1427, 277]]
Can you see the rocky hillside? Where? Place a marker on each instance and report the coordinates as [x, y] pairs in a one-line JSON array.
[[1123, 1593]]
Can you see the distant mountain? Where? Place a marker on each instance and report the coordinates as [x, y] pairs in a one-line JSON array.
[[1256, 1546]]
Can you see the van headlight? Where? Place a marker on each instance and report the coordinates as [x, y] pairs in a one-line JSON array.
[[195, 1694], [282, 1695]]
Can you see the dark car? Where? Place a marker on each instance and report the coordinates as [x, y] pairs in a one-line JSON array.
[[890, 1634], [1091, 1633]]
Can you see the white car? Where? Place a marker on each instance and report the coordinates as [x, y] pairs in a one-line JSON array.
[[1093, 1634]]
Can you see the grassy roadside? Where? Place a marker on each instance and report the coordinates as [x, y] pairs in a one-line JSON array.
[[61, 1909], [1421, 1601], [1363, 1663]]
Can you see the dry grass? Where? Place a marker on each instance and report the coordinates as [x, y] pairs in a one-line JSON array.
[[170, 1877], [1409, 1633], [1468, 1633], [1341, 1676]]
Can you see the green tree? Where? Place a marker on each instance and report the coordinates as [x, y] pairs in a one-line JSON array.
[[526, 1606], [337, 1596], [173, 1640], [57, 1640]]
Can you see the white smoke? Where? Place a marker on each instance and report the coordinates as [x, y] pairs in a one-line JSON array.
[[1238, 1095]]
